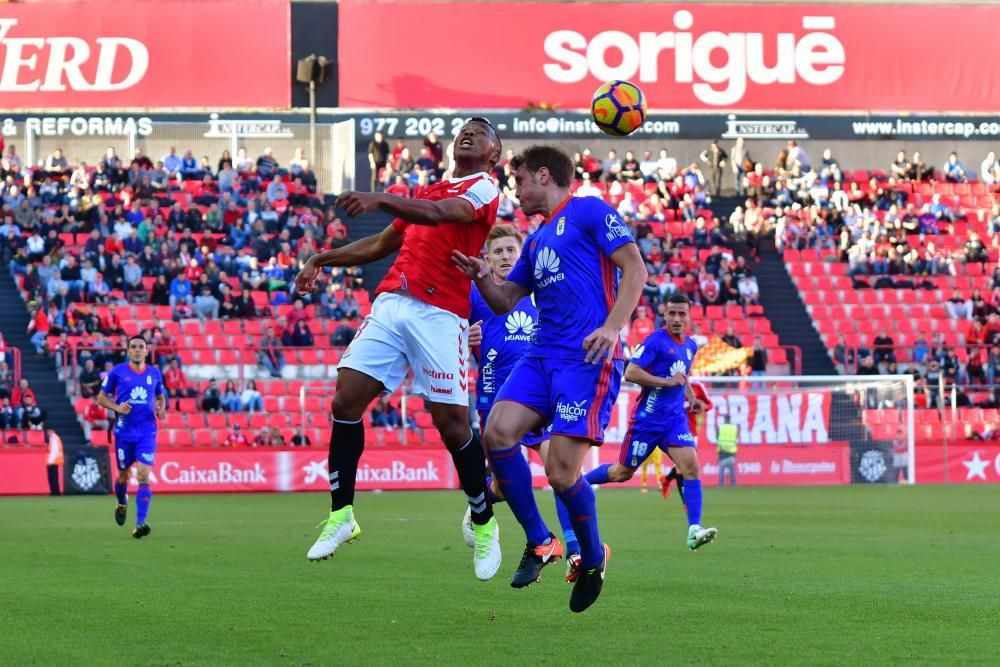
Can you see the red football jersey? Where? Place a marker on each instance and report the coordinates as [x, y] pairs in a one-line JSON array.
[[423, 266]]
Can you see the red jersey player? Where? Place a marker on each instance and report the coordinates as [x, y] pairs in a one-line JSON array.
[[419, 321]]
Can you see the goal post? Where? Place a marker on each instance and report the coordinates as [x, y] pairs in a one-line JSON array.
[[792, 429]]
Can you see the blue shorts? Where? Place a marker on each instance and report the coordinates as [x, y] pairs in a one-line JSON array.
[[575, 397], [533, 438], [641, 439], [129, 449]]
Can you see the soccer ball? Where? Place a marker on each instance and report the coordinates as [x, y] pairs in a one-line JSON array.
[[618, 108]]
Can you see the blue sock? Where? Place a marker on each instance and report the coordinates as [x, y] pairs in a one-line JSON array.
[[514, 477], [493, 500], [142, 500], [599, 475], [692, 496], [569, 535], [121, 492], [581, 504]]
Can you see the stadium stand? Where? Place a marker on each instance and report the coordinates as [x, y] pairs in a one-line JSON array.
[[898, 270]]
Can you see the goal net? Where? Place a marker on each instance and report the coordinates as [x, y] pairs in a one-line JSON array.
[[801, 429]]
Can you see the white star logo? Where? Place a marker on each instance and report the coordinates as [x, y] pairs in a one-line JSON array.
[[976, 467], [314, 470]]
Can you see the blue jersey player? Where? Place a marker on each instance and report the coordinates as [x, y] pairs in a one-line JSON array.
[[661, 365], [134, 392], [499, 341], [570, 375]]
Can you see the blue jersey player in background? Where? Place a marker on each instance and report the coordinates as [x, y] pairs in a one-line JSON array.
[[499, 341], [570, 375], [134, 392], [661, 365]]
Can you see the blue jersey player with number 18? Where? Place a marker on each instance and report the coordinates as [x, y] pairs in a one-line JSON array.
[[569, 377], [661, 365], [134, 392]]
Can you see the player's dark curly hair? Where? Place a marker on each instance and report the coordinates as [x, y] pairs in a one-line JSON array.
[[558, 163], [137, 337]]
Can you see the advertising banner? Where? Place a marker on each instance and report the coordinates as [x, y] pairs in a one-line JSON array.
[[966, 462], [507, 55], [99, 54], [762, 465]]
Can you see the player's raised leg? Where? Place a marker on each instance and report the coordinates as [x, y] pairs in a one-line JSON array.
[[355, 390], [508, 423], [686, 459]]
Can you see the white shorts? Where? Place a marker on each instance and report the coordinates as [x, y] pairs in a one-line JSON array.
[[403, 332]]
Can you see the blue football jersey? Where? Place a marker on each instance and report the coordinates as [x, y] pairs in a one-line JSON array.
[[567, 265], [139, 390], [506, 338], [661, 355]]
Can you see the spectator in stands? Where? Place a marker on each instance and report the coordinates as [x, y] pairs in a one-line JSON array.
[[932, 381], [56, 162], [94, 417], [301, 335], [189, 168], [989, 169], [700, 339], [300, 439], [749, 291], [348, 308], [211, 398], [758, 358], [236, 438], [277, 190], [384, 414], [709, 289], [267, 166], [90, 380], [715, 157], [6, 379], [230, 398], [206, 306], [276, 439], [9, 417], [38, 328], [731, 339], [975, 250], [641, 327], [342, 335], [180, 291], [957, 307], [263, 438], [250, 398], [378, 157], [588, 189], [900, 168], [171, 162], [953, 170], [885, 347], [176, 383], [32, 416]]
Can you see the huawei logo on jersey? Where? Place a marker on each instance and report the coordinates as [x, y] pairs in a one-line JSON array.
[[547, 262], [638, 351], [519, 326], [138, 395], [678, 367]]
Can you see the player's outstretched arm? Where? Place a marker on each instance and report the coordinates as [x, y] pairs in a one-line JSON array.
[[601, 341], [362, 251], [416, 211], [105, 402], [638, 375], [500, 298]]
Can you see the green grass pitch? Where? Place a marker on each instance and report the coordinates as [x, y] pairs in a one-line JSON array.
[[845, 575]]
